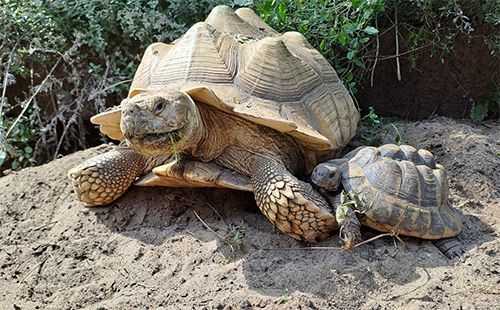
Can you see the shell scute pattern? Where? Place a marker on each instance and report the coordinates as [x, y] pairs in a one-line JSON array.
[[407, 191]]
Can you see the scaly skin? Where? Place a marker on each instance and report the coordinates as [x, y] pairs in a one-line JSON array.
[[102, 179], [291, 205]]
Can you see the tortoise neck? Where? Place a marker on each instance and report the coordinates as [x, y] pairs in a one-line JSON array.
[[234, 142]]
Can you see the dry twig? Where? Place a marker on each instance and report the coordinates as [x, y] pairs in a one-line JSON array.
[[213, 231], [398, 66], [376, 55], [28, 102]]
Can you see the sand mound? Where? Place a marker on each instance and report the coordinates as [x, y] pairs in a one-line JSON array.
[[149, 249]]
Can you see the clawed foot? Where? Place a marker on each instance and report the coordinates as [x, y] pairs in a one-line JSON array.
[[103, 178]]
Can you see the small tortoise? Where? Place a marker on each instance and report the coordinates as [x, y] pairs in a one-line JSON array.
[[229, 104], [404, 192]]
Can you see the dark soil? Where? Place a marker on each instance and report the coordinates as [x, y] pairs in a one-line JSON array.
[[449, 89]]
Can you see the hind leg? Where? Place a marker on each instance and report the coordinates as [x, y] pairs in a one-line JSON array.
[[450, 247]]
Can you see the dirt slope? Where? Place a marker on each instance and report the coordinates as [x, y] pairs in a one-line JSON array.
[[150, 249]]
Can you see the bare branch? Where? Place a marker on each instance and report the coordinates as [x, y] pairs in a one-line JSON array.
[[28, 103]]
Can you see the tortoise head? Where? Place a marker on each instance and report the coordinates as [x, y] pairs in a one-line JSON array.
[[327, 176], [161, 123]]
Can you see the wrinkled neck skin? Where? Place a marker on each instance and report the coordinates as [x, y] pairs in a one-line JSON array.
[[236, 143]]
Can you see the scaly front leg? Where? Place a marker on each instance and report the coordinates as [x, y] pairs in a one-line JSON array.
[[293, 206], [103, 178]]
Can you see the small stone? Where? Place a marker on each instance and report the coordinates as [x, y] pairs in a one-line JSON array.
[[244, 304]]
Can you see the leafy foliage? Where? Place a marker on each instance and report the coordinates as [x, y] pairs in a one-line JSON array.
[[372, 128], [75, 58], [19, 152]]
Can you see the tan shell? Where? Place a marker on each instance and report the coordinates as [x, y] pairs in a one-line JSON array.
[[236, 62], [406, 191]]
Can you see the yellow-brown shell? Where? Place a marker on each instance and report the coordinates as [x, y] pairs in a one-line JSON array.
[[236, 62], [405, 191]]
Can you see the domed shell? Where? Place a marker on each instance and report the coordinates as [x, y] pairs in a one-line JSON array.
[[236, 62], [404, 189]]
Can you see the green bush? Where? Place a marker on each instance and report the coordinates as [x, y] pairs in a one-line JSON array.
[[77, 56], [346, 31]]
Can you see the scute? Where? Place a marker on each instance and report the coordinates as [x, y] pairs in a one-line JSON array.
[[236, 62], [407, 192]]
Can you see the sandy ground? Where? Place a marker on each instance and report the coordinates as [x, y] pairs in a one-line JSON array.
[[149, 249]]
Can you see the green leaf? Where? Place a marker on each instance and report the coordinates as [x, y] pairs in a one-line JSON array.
[[371, 30], [282, 11], [28, 149], [356, 3], [350, 55], [3, 157], [359, 63], [15, 164], [479, 112], [322, 44]]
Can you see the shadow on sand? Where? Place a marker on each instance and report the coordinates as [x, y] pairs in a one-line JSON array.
[[272, 263]]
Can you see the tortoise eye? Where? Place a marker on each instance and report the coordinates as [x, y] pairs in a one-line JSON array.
[[159, 107]]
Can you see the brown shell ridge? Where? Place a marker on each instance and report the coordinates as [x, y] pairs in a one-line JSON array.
[[249, 16], [402, 186], [432, 184], [196, 57], [262, 76], [224, 19], [142, 77], [301, 48], [208, 96], [298, 46]]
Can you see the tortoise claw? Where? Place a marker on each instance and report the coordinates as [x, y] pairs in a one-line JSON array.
[[450, 247]]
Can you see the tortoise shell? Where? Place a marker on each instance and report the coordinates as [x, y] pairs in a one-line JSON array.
[[237, 63], [405, 191]]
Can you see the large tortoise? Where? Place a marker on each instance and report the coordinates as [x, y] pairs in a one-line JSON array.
[[230, 104], [400, 189]]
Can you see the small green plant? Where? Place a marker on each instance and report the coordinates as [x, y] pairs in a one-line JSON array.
[[283, 298], [371, 129], [398, 139], [347, 201], [489, 108], [173, 137], [18, 150], [236, 237]]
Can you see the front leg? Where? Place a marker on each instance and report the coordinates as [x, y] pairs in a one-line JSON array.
[[293, 206], [103, 178]]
